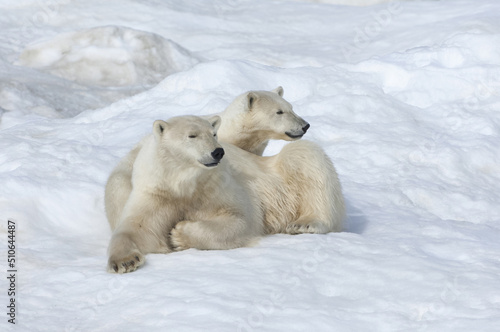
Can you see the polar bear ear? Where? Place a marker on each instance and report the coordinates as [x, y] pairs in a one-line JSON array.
[[215, 121], [159, 127], [279, 90], [251, 98]]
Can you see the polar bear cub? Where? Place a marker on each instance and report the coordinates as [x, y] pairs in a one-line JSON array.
[[255, 117], [181, 179], [249, 122]]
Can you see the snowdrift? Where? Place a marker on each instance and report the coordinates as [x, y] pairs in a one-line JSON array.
[[88, 69], [109, 56]]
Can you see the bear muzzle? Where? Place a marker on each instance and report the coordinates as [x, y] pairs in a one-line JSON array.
[[217, 155], [298, 134]]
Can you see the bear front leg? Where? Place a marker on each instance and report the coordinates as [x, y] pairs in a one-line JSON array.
[[221, 232], [124, 256], [138, 235]]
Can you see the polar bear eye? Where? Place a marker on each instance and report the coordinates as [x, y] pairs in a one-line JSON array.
[[192, 136], [279, 112], [215, 134]]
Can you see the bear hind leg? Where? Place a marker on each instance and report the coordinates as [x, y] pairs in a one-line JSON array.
[[307, 225], [222, 232]]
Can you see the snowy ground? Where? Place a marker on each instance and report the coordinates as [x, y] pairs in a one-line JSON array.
[[403, 96]]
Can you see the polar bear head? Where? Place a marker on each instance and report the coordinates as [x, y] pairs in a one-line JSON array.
[[255, 117], [271, 113], [190, 140]]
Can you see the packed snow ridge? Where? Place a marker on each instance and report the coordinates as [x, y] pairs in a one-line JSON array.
[[109, 56]]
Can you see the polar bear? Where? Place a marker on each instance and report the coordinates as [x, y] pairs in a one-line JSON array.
[[298, 189], [181, 179], [249, 122], [190, 191], [255, 117]]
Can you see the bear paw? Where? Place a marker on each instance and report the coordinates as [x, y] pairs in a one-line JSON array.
[[305, 226], [128, 263], [177, 239], [295, 229]]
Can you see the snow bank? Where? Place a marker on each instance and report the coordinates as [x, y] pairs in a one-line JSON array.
[[109, 56], [88, 69]]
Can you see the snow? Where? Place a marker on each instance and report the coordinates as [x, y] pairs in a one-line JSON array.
[[403, 96], [108, 56]]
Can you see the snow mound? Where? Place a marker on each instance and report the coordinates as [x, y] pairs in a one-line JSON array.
[[109, 56]]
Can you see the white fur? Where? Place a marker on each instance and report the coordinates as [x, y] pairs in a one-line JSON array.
[[249, 122], [298, 189], [255, 117], [210, 207], [177, 202]]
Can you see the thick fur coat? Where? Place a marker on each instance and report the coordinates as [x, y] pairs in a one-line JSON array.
[[249, 122], [190, 191]]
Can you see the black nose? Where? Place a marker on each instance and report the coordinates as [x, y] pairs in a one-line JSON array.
[[218, 153], [304, 129]]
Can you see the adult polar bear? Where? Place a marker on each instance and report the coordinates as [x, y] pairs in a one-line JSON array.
[[186, 195], [255, 117], [249, 122]]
